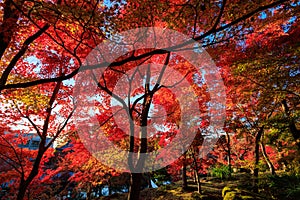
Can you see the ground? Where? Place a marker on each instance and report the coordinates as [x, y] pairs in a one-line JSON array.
[[238, 187]]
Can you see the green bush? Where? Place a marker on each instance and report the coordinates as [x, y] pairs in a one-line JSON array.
[[220, 171], [161, 176], [262, 166], [294, 168], [285, 186], [171, 186]]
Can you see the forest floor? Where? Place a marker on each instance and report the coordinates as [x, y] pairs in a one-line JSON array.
[[240, 186]]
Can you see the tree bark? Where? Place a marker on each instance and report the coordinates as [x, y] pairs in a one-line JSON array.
[[196, 169], [228, 154], [292, 125], [148, 175], [198, 181], [257, 142], [135, 186], [9, 24], [184, 177], [22, 190], [89, 192], [24, 183], [266, 157], [109, 189]]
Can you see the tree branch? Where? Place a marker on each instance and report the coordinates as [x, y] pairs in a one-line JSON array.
[[22, 51], [156, 51]]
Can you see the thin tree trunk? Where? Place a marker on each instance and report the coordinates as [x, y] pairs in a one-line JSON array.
[[257, 141], [184, 177], [89, 192], [149, 180], [292, 125], [196, 175], [228, 154], [266, 157], [198, 181], [109, 189], [34, 171], [183, 173]]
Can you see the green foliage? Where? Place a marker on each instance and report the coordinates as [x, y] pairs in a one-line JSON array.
[[169, 187], [294, 168], [262, 166], [293, 192], [220, 171], [286, 186], [161, 176]]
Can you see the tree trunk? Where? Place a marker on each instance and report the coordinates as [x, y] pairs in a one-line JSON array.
[[266, 157], [89, 192], [257, 141], [22, 190], [196, 169], [135, 186], [228, 154], [292, 125], [149, 180], [184, 178], [194, 177], [109, 189], [198, 181], [9, 24], [24, 183], [34, 171]]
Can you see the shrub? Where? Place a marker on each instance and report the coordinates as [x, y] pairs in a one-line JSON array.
[[220, 171], [285, 186], [293, 193], [161, 177]]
